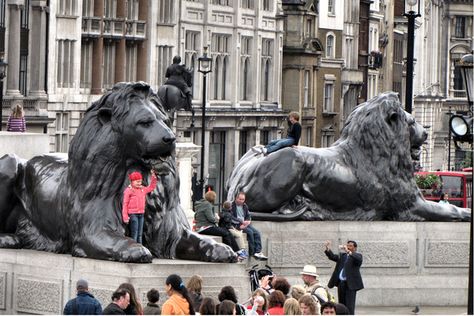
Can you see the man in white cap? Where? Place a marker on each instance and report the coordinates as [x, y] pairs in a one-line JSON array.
[[311, 283]]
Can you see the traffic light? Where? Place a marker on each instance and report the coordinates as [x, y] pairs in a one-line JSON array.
[[461, 127]]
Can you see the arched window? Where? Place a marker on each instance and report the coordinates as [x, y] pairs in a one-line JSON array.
[[330, 42]]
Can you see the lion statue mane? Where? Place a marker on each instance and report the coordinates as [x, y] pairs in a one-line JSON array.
[[367, 174], [72, 203]]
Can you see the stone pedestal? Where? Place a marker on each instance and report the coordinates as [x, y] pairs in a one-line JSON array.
[[404, 263], [184, 155], [24, 145], [35, 282]]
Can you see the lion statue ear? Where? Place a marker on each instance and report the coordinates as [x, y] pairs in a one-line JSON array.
[[105, 114]]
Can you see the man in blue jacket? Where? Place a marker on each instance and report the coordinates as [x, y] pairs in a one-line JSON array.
[[84, 303], [242, 221], [346, 275]]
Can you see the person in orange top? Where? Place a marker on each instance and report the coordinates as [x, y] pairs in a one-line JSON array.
[[133, 208], [179, 302]]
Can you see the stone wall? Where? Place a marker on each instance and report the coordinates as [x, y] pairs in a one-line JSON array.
[[405, 263], [35, 282], [24, 145]]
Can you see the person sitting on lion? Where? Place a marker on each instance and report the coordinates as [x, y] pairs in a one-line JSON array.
[[292, 139]]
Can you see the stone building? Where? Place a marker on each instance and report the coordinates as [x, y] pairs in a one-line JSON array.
[[23, 42], [312, 67], [444, 36]]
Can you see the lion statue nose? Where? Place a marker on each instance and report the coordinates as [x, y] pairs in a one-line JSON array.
[[169, 139]]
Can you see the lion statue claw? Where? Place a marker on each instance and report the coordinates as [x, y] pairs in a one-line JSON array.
[[72, 203], [367, 174]]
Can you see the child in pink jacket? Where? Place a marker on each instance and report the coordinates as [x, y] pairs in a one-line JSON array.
[[134, 198]]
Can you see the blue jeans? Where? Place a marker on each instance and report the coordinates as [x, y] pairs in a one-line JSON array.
[[254, 240], [136, 227], [276, 144]]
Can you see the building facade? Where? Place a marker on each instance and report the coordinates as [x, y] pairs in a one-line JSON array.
[[444, 36]]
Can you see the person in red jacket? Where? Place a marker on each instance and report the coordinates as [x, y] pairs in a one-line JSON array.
[[134, 198]]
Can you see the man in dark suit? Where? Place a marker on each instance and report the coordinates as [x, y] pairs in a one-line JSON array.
[[346, 275]]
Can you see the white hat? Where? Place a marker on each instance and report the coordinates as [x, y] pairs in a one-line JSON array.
[[309, 270]]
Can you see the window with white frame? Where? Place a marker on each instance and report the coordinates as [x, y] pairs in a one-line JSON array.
[[331, 7], [247, 4], [267, 5], [67, 7], [222, 2], [267, 69], [165, 58], [306, 89], [375, 5], [460, 27], [371, 85], [309, 28], [330, 42], [110, 8], [65, 61], [108, 75], [220, 51], [245, 58], [191, 48], [373, 38], [132, 9], [62, 132], [166, 11], [86, 64], [349, 53], [327, 139], [328, 105], [243, 143], [88, 8], [131, 62], [309, 137]]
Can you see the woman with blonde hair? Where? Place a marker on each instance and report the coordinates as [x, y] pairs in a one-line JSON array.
[[308, 305], [291, 307], [258, 303], [194, 287], [297, 291], [16, 121]]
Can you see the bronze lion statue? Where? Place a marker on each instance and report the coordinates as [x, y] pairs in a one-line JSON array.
[[366, 175], [73, 204]]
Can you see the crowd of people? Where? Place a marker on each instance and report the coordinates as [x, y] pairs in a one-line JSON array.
[[275, 295]]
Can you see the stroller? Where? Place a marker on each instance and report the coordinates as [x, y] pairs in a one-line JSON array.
[[256, 273]]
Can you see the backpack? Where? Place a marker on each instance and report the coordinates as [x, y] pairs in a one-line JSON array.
[[321, 300]]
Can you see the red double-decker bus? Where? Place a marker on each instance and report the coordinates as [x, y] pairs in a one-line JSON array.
[[457, 184]]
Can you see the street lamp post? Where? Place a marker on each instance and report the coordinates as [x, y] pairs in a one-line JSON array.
[[467, 70], [411, 16], [205, 67], [3, 74]]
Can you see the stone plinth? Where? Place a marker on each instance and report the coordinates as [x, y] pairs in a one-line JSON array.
[[405, 263], [36, 282], [24, 145], [184, 155]]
